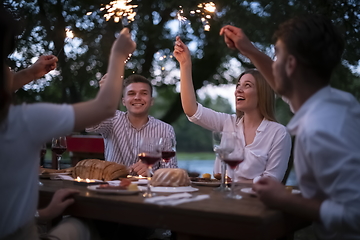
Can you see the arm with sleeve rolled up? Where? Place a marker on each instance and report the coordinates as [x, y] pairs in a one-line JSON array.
[[336, 162], [273, 194], [336, 174], [278, 156]]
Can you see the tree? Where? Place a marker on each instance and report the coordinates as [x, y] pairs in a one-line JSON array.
[[193, 138], [83, 60]]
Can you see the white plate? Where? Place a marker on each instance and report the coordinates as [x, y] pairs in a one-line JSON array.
[[141, 182], [250, 191], [170, 189], [295, 191], [111, 191], [209, 184]]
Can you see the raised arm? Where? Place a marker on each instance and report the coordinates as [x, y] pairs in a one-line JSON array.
[[235, 38], [104, 105], [42, 66], [187, 93]]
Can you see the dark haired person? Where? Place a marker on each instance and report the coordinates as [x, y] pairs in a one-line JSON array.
[[326, 124], [28, 126], [267, 144], [122, 133]]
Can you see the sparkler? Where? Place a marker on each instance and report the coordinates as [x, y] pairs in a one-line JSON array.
[[69, 35], [181, 18], [205, 10], [118, 10]]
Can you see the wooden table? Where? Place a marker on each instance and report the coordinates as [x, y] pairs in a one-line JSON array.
[[213, 218]]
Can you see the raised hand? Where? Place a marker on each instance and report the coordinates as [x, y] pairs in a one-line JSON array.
[[123, 45], [181, 52], [42, 66], [235, 38]]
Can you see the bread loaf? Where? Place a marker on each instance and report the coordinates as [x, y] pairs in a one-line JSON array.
[[170, 177], [99, 169]]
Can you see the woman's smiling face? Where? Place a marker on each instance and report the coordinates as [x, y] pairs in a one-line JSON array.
[[246, 96]]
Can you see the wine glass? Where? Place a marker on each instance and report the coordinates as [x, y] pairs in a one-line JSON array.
[[58, 146], [233, 160], [150, 153], [42, 156], [168, 149], [224, 144]]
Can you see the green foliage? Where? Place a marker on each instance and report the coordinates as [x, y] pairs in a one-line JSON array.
[[83, 60], [193, 138]]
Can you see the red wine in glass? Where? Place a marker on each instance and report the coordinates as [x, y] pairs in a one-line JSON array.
[[58, 150], [42, 153], [167, 155], [148, 159], [233, 163]]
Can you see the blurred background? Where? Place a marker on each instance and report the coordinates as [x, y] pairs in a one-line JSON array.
[[81, 33]]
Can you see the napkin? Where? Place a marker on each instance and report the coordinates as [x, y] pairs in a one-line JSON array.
[[114, 182], [176, 199], [62, 177]]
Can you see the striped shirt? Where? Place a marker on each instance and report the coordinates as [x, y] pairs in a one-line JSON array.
[[122, 139]]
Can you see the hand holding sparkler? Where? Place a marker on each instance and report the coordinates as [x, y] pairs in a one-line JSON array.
[[42, 66], [123, 46], [235, 38], [181, 52]]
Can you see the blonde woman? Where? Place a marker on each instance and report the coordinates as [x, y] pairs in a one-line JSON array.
[[267, 143]]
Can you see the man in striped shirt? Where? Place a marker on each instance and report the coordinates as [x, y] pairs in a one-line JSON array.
[[122, 133]]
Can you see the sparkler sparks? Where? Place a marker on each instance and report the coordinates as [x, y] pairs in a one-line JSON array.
[[181, 18], [205, 10], [69, 34], [119, 9]]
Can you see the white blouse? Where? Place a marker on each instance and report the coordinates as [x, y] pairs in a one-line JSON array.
[[267, 155]]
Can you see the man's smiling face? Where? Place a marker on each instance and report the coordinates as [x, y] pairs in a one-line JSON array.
[[137, 98]]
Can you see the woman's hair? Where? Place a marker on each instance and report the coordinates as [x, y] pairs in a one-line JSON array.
[[266, 96], [9, 29]]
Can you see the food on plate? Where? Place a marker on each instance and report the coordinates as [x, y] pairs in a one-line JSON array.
[[125, 182], [170, 177], [129, 187], [49, 170], [99, 169], [206, 175], [115, 187], [133, 187], [218, 177], [197, 179]]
